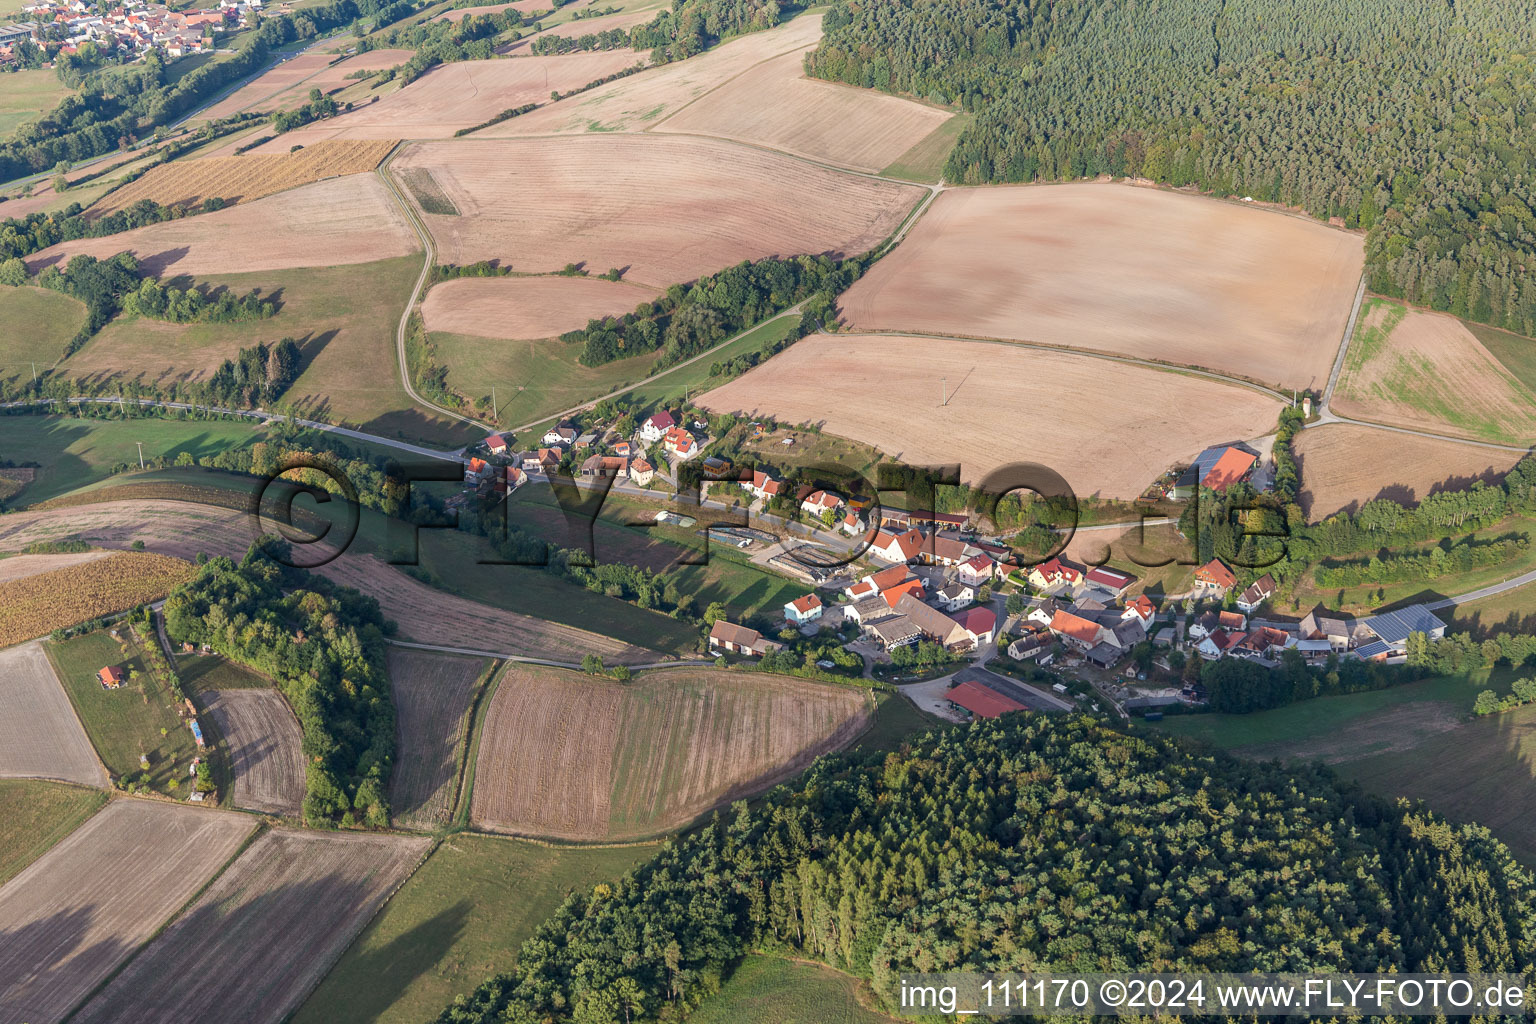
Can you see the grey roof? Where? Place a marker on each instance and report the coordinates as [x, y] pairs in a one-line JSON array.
[[1161, 701], [1395, 626], [895, 629], [1129, 632], [1313, 646], [1105, 654], [872, 609], [1374, 649]]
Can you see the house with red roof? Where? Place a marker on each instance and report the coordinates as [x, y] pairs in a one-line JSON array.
[[1261, 590], [763, 485], [874, 583], [476, 469], [852, 524], [1217, 643], [679, 443], [641, 472], [1112, 580], [897, 547], [818, 502], [978, 621], [913, 586], [1076, 631], [976, 570], [803, 609], [1141, 609], [656, 426], [1234, 465], [1214, 576], [111, 677], [496, 444], [1052, 573]]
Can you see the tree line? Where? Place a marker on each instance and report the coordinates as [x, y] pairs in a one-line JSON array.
[[1084, 849], [324, 645], [1410, 119]]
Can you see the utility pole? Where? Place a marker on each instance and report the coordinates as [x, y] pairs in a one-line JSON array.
[[34, 371], [494, 408], [141, 453], [943, 386]]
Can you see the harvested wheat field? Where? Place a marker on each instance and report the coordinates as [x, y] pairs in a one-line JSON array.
[[40, 735], [1006, 404], [246, 178], [333, 77], [433, 693], [641, 101], [460, 95], [34, 606], [341, 221], [774, 104], [1411, 368], [1134, 271], [571, 756], [254, 94], [427, 615], [521, 6], [82, 909], [19, 566], [261, 938], [666, 207], [526, 307], [577, 29], [1343, 466], [182, 529], [264, 744]]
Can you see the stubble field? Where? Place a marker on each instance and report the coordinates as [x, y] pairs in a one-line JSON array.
[[1134, 271], [526, 307], [36, 605], [40, 736], [569, 756], [1109, 428], [1343, 466], [249, 177], [21, 566], [667, 208], [460, 95], [1427, 371], [433, 693], [264, 934], [265, 748], [341, 221], [774, 104], [72, 917], [252, 95]]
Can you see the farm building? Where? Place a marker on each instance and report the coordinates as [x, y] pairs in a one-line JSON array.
[[1112, 580], [982, 702], [904, 519], [875, 583], [728, 636], [1075, 630], [1392, 629], [111, 677], [1031, 646], [1027, 697], [1218, 468], [934, 624], [912, 587]]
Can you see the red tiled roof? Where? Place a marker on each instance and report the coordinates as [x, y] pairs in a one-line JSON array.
[[977, 620], [982, 702], [1078, 628], [1215, 571], [1142, 605], [890, 577], [978, 563], [1110, 577], [1230, 620], [660, 420], [1233, 465], [913, 586], [808, 603]]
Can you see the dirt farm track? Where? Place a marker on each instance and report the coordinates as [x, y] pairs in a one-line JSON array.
[[78, 912]]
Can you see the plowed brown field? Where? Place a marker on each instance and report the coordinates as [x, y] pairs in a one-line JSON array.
[[265, 747], [246, 178], [775, 105], [264, 934], [666, 207], [40, 735], [526, 307], [341, 221], [1343, 466], [1134, 271], [432, 700], [460, 95], [1109, 428], [570, 756], [77, 913]]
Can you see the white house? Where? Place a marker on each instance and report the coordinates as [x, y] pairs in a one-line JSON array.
[[803, 610], [956, 596], [852, 524], [977, 570], [656, 426], [1261, 590], [818, 502], [897, 547], [1142, 610], [979, 622], [563, 434]]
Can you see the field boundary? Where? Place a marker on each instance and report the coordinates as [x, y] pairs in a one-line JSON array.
[[463, 773], [459, 819], [58, 678]]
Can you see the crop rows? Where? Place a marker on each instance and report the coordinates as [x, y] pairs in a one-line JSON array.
[[37, 605]]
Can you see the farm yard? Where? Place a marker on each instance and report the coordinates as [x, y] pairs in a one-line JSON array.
[[460, 95], [1134, 271], [433, 694], [1343, 466], [137, 723], [526, 307], [569, 756], [1427, 371], [314, 890], [1141, 421], [73, 916], [328, 223], [264, 744], [36, 605], [644, 100], [774, 104], [35, 815], [667, 208], [40, 736], [459, 919], [246, 178]]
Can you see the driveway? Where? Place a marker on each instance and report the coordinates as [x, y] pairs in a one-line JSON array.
[[930, 697]]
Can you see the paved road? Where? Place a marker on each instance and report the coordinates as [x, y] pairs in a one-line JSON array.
[[1477, 595]]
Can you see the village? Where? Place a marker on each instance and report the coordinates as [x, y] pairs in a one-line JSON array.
[[134, 30], [959, 620]]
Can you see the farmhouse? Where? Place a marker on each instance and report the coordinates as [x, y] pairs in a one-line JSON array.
[[1031, 646], [515, 478], [545, 460], [1214, 577], [875, 583], [656, 426], [945, 551], [1218, 468], [562, 434], [475, 470], [934, 624], [803, 609], [1076, 631], [867, 611], [111, 677], [897, 547], [904, 519], [1264, 642], [913, 587], [1391, 630], [605, 465], [1335, 631], [641, 472], [895, 631], [1124, 634], [728, 636], [1259, 591], [976, 570]]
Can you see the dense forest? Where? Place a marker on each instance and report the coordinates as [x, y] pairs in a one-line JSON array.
[[1409, 118], [1023, 843], [324, 646]]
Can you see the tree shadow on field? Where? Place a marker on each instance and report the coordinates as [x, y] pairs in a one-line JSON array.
[[41, 962]]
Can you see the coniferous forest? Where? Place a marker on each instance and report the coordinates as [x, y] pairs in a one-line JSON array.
[[1030, 842], [1409, 118]]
